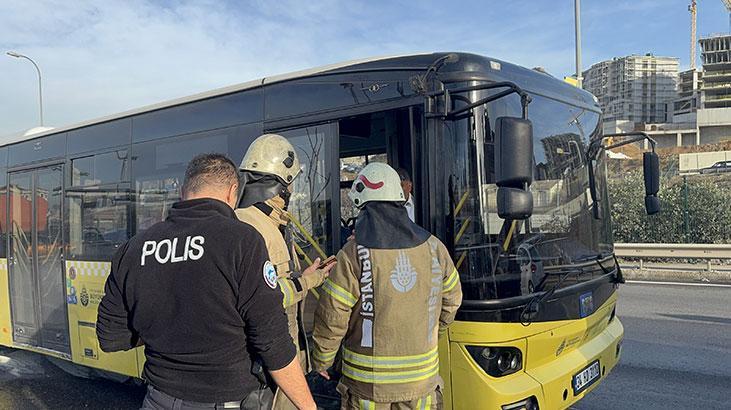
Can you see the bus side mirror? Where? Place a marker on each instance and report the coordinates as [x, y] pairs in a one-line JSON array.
[[651, 171], [514, 167]]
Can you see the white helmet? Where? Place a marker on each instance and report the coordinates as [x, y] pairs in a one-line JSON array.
[[272, 154], [376, 182]]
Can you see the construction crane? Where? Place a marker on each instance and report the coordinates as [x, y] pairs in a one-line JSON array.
[[693, 11], [727, 3]]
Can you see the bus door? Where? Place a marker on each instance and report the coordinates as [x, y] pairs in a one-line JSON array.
[[35, 258], [390, 137]]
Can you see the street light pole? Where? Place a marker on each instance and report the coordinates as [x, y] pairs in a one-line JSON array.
[[38, 70], [577, 23]]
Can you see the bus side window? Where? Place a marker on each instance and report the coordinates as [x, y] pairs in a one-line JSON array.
[[159, 166], [311, 202], [99, 205]]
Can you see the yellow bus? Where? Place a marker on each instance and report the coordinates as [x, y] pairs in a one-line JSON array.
[[507, 168]]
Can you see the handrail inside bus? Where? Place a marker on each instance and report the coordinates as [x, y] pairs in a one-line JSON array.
[[307, 235]]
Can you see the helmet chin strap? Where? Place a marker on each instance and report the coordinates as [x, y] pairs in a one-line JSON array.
[[285, 194]]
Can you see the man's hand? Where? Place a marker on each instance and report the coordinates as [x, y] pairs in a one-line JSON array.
[[313, 276], [292, 381], [325, 374]]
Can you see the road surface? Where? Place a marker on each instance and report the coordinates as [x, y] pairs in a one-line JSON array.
[[676, 351], [676, 355]]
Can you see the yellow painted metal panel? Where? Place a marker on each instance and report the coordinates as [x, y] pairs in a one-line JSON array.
[[85, 288], [6, 325], [553, 352], [444, 367], [472, 388], [545, 348], [481, 332], [556, 376]]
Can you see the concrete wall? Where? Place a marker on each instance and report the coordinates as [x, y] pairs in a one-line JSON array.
[[693, 162], [714, 116], [714, 135], [688, 139]]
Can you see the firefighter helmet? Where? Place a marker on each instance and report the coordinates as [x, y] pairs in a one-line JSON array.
[[272, 154], [376, 182]]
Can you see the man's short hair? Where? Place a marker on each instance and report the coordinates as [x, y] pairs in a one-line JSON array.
[[404, 174], [210, 170]]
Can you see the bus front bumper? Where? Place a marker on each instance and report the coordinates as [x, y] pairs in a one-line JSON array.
[[549, 386]]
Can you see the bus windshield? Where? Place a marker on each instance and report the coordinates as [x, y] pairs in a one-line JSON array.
[[562, 243]]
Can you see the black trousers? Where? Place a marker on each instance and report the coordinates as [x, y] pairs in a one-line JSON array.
[[157, 400]]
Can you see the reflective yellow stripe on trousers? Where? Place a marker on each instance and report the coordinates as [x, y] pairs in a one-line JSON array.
[[424, 404], [367, 404]]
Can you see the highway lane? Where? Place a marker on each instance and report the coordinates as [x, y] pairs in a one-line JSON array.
[[676, 355], [676, 351]]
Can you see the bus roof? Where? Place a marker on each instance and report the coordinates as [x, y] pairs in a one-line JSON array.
[[499, 70]]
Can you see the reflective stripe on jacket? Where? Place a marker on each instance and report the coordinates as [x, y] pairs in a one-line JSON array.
[[387, 307]]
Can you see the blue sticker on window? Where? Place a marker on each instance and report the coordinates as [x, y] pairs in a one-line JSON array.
[[586, 304]]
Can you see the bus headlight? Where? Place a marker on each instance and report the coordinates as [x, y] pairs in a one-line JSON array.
[[497, 361]]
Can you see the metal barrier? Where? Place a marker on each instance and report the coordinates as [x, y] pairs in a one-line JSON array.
[[673, 251]]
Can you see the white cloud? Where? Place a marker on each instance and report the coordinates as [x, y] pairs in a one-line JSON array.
[[104, 57]]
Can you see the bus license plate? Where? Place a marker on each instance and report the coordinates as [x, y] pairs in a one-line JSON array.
[[586, 377]]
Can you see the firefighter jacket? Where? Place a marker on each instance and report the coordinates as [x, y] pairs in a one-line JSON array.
[[387, 307], [271, 222]]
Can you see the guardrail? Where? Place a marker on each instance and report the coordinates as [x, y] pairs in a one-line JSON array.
[[673, 251]]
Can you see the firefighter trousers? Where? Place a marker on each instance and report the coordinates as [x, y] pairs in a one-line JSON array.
[[351, 401]]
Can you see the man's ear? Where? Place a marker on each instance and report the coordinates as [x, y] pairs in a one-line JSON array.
[[233, 195]]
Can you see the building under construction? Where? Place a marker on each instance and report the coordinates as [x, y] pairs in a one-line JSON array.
[[635, 89], [688, 102], [716, 57]]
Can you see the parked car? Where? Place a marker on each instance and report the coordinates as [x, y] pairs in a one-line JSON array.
[[531, 268], [718, 167]]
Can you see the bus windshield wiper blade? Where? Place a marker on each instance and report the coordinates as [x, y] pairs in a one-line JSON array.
[[533, 306]]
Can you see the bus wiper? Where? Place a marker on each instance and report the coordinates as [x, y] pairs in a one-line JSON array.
[[532, 308]]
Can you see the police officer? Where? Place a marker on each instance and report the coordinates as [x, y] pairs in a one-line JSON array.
[[198, 291], [392, 292], [268, 170]]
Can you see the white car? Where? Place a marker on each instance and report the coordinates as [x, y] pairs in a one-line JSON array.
[[531, 268]]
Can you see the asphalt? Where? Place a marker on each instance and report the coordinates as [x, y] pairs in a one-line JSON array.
[[676, 355], [676, 350]]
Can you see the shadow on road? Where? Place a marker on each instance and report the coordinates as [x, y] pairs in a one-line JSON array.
[[30, 381]]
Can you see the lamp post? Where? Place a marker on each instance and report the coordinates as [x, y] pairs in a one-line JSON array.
[[40, 89], [577, 32]]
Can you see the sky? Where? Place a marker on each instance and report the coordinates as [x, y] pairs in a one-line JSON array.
[[102, 57]]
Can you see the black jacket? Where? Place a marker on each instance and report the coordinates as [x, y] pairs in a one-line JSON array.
[[199, 292]]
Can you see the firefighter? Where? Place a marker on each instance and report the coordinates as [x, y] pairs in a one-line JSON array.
[[393, 291], [199, 292], [268, 170]]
